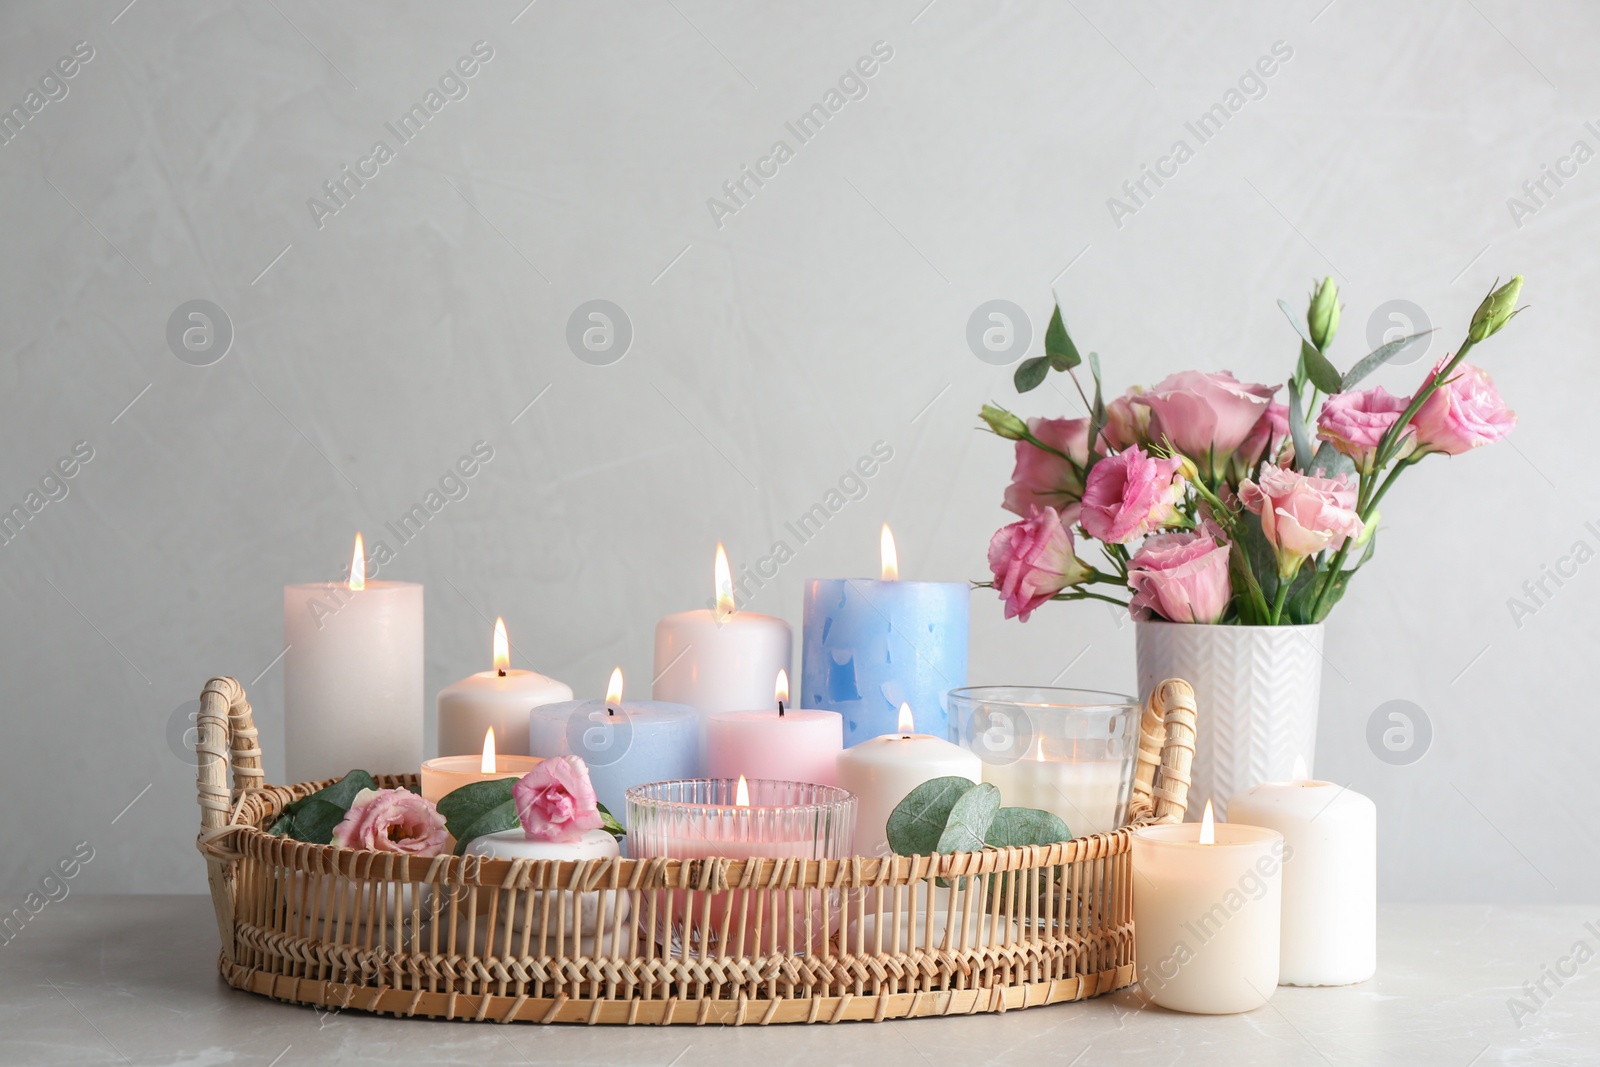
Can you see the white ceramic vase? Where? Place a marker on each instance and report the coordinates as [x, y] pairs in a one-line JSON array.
[[1256, 693]]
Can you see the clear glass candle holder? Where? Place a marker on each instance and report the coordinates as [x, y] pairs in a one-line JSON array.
[[1067, 751], [699, 818]]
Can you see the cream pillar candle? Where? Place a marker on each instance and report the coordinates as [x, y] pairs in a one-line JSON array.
[[352, 686], [722, 659], [497, 699], [443, 775], [577, 915], [880, 771], [1206, 914], [1330, 878]]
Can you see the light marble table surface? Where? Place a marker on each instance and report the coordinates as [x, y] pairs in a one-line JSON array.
[[132, 980]]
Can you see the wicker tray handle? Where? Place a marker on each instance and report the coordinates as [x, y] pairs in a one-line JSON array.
[[226, 739], [1166, 751]]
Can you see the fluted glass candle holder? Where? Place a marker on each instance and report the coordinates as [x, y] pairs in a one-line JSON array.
[[1067, 751], [700, 818]]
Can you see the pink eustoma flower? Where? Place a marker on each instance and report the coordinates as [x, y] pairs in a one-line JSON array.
[[1180, 577], [1301, 515], [1462, 414], [1205, 416], [1130, 494], [1354, 423], [1032, 561], [392, 820], [556, 801], [1043, 479]]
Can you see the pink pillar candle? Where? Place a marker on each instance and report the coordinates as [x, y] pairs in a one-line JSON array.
[[786, 744]]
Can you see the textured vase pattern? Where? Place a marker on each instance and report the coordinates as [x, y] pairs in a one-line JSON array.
[[1256, 690]]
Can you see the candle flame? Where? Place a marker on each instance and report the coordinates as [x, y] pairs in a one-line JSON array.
[[724, 586], [741, 796], [891, 558], [487, 766], [614, 687], [781, 690], [908, 722], [1208, 827], [358, 566], [1301, 772], [502, 647]]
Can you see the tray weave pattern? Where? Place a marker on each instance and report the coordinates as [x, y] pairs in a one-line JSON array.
[[602, 941]]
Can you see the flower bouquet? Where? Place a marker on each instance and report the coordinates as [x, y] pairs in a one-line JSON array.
[[1211, 502]]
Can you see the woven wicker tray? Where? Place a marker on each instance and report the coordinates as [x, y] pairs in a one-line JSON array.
[[589, 942]]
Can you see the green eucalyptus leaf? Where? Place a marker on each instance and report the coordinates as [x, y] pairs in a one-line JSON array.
[[1058, 344], [1322, 373], [1297, 430], [970, 819], [1013, 827], [308, 819], [479, 808], [609, 823], [1377, 358], [1294, 320], [1329, 462], [1030, 373], [917, 822]]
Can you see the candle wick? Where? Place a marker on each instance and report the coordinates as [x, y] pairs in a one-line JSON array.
[[780, 709], [501, 671], [610, 710]]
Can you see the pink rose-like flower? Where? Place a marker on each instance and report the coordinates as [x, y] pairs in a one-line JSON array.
[[556, 801], [1127, 423], [1045, 480], [1301, 515], [1354, 423], [1129, 494], [1206, 416], [1462, 414], [392, 820], [1266, 438], [1032, 561], [1180, 577]]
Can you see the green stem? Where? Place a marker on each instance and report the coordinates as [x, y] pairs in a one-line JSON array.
[[1084, 594], [1282, 595]]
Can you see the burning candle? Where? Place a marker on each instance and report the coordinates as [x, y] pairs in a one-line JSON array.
[[741, 819], [496, 699], [719, 659], [352, 686], [1207, 899], [1330, 877], [624, 744], [789, 744], [870, 646], [883, 770], [445, 774]]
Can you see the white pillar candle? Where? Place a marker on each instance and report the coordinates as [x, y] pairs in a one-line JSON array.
[[576, 913], [1330, 878], [720, 659], [881, 771], [785, 744], [352, 687], [497, 699], [1206, 914]]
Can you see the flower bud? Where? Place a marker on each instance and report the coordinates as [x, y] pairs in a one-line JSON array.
[[1186, 468], [1323, 315], [1496, 310], [1003, 423]]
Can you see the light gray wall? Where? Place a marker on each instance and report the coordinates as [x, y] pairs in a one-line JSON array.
[[769, 352]]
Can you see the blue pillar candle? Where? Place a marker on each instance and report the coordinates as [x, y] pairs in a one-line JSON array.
[[624, 743], [870, 646]]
